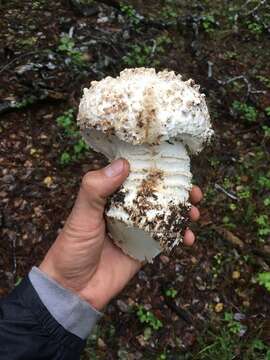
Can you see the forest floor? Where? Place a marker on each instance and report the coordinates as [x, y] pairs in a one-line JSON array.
[[208, 302]]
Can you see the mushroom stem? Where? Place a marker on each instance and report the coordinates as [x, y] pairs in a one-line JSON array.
[[149, 211]]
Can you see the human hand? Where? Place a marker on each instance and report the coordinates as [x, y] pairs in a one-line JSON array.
[[83, 258]]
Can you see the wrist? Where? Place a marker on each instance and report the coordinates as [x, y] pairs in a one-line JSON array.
[[94, 296], [90, 293]]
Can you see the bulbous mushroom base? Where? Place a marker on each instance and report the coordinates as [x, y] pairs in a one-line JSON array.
[[133, 241], [144, 240]]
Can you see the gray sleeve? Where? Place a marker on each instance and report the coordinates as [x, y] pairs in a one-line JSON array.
[[68, 309]]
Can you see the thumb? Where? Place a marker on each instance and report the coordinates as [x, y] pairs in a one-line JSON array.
[[95, 188]]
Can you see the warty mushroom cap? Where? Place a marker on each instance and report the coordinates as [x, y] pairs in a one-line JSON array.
[[144, 107]]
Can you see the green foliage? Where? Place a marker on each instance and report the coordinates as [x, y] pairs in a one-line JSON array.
[[217, 264], [225, 345], [145, 54], [266, 201], [264, 181], [245, 111], [267, 110], [224, 342], [244, 192], [209, 23], [38, 4], [18, 280], [255, 27], [66, 121], [76, 145], [258, 345], [232, 207], [233, 326], [28, 42], [162, 356], [25, 102], [218, 346], [147, 317], [130, 13], [65, 158], [171, 292], [266, 130], [264, 280], [263, 225], [67, 47], [169, 11], [230, 55], [265, 80]]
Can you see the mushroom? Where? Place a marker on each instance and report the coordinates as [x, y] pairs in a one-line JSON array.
[[154, 120]]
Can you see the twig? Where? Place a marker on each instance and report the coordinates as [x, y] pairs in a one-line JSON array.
[[210, 69], [246, 81], [229, 236], [252, 11], [182, 313], [219, 187], [17, 58]]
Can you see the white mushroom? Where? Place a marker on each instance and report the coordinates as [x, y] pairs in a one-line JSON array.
[[152, 120]]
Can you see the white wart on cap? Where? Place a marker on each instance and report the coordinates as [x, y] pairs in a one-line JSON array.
[[152, 120]]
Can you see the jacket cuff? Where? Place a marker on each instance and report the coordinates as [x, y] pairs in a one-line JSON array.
[[67, 308]]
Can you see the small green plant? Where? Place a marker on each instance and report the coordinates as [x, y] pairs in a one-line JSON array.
[[263, 279], [255, 27], [217, 265], [27, 42], [244, 192], [169, 11], [25, 102], [209, 23], [267, 111], [230, 55], [258, 345], [227, 183], [162, 356], [66, 121], [18, 281], [67, 47], [77, 147], [263, 225], [266, 130], [233, 326], [228, 222], [266, 201], [224, 342], [130, 13], [245, 111], [65, 158], [145, 54], [265, 80], [232, 207], [38, 4], [147, 317], [264, 181], [171, 292]]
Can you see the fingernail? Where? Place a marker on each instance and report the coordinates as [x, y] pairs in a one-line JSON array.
[[115, 168]]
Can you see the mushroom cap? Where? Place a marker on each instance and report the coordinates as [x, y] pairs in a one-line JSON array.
[[142, 106]]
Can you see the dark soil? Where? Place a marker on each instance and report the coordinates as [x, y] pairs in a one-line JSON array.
[[225, 48]]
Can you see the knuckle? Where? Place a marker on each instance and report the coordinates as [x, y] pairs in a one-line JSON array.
[[87, 181]]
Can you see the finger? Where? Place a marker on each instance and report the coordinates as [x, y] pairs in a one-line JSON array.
[[196, 194], [104, 182], [189, 238], [194, 213], [95, 188]]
